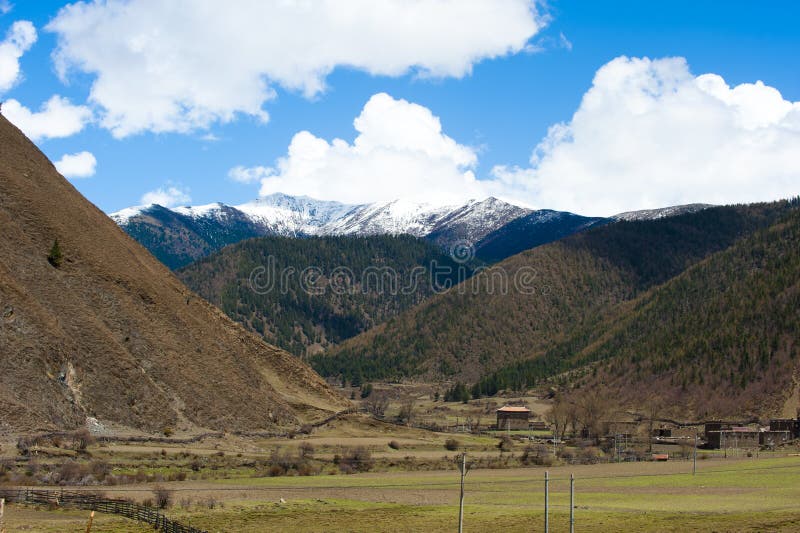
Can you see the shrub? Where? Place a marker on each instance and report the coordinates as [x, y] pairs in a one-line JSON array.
[[276, 470], [452, 444], [505, 444], [539, 455], [24, 445], [163, 497], [210, 502], [82, 439], [356, 460], [394, 445], [99, 469], [306, 450], [55, 257]]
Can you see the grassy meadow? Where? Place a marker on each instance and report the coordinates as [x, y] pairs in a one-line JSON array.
[[726, 495]]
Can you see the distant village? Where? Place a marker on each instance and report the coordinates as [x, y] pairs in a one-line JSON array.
[[710, 435]]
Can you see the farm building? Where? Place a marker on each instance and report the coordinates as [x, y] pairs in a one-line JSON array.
[[735, 437], [786, 424], [772, 438], [513, 417], [745, 437], [539, 425]]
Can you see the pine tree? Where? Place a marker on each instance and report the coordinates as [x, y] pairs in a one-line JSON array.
[[55, 256]]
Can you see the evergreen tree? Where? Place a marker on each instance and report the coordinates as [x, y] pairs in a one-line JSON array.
[[55, 257]]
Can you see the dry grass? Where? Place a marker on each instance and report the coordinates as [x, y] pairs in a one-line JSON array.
[[113, 334]]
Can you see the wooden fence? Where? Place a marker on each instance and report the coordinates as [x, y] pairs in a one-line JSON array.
[[93, 502]]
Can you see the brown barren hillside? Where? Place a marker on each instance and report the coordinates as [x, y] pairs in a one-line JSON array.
[[112, 334]]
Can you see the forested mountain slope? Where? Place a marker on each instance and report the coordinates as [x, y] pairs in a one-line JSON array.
[[720, 339], [307, 294], [552, 291]]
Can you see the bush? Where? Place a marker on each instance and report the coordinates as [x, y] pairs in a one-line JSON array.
[[82, 439], [24, 445], [276, 470], [356, 460], [163, 497], [538, 455], [452, 444], [589, 455], [394, 445], [505, 444], [55, 257], [306, 450]]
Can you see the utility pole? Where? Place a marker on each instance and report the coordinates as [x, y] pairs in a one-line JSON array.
[[461, 499], [546, 502], [572, 503]]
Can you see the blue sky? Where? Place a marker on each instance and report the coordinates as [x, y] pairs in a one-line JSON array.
[[496, 115]]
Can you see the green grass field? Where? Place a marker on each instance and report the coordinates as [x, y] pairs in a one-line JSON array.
[[725, 495]]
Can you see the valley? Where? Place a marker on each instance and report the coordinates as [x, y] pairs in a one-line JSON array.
[[332, 364]]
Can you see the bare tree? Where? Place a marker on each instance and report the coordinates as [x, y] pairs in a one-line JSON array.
[[558, 417], [593, 411], [377, 403], [406, 414]]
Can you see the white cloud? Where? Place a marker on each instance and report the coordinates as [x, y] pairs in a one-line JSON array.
[[400, 151], [79, 165], [5, 7], [167, 196], [56, 118], [249, 174], [649, 134], [181, 65], [19, 39]]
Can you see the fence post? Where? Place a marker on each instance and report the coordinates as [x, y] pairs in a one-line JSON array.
[[546, 501], [89, 525], [2, 515]]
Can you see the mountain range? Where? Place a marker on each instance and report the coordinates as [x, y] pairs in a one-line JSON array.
[[488, 229], [702, 297]]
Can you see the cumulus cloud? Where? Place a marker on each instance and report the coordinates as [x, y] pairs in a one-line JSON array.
[[649, 133], [182, 65], [56, 118], [400, 151], [249, 174], [167, 196], [19, 39], [79, 165]]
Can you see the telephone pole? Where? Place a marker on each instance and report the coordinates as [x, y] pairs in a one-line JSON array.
[[572, 503], [546, 502], [461, 499]]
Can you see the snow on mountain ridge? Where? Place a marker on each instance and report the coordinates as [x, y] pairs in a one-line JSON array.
[[663, 212], [282, 214]]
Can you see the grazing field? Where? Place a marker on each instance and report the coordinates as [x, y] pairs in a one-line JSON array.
[[725, 495]]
